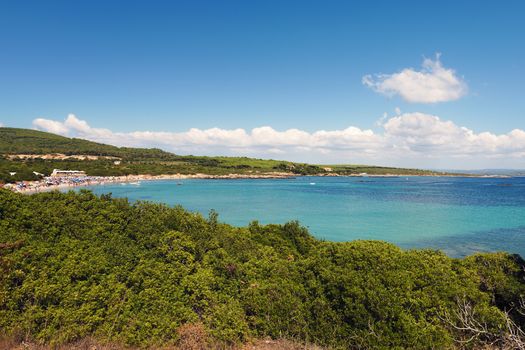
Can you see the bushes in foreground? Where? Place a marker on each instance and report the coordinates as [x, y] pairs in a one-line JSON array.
[[75, 265]]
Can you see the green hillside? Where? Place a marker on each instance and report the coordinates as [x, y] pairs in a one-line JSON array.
[[143, 160], [380, 170], [26, 141]]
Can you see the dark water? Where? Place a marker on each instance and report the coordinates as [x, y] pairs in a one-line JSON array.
[[457, 215]]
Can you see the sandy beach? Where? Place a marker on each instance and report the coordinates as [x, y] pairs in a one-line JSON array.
[[56, 183]]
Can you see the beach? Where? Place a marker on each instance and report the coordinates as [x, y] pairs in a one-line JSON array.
[[50, 183], [57, 183]]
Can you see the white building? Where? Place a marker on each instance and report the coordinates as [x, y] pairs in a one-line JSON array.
[[67, 173]]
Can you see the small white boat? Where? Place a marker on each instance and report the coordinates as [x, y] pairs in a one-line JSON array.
[[137, 183], [312, 183]]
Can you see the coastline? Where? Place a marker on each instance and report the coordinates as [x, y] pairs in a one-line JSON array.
[[51, 184], [30, 187]]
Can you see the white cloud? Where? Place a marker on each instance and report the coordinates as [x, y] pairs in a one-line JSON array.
[[409, 139], [433, 83], [428, 135], [53, 126], [264, 137]]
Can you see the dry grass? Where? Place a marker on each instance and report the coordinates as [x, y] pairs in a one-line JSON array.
[[281, 344], [192, 338], [84, 344]]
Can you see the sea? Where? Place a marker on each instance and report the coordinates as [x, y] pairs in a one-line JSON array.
[[458, 215]]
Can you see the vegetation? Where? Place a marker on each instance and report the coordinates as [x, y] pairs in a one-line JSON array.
[[141, 161], [381, 170], [26, 141], [74, 265]]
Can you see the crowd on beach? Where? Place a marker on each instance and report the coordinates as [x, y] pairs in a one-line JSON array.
[[49, 183]]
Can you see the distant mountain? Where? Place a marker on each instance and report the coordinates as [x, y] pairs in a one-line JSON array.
[[488, 172], [510, 172]]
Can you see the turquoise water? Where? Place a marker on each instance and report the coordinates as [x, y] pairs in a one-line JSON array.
[[457, 215]]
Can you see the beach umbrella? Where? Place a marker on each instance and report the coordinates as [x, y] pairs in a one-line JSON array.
[[12, 173], [37, 173]]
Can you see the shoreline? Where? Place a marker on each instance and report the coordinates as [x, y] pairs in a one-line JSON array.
[[51, 184]]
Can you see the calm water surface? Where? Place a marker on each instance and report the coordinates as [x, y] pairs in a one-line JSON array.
[[457, 215]]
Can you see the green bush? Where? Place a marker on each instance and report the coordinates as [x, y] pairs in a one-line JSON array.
[[74, 265]]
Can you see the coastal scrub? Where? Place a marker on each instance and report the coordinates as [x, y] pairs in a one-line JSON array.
[[75, 265]]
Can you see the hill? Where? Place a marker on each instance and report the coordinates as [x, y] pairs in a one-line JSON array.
[[134, 161], [74, 266], [27, 141]]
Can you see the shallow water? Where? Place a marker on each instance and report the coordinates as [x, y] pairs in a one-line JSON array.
[[457, 215]]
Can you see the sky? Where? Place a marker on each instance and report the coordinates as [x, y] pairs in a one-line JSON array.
[[405, 83]]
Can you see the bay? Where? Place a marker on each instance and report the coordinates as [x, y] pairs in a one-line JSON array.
[[458, 215]]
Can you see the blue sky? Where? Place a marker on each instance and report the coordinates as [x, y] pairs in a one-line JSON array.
[[169, 66]]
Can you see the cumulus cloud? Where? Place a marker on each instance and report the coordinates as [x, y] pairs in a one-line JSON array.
[[428, 134], [402, 138], [264, 137], [53, 126], [433, 83]]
